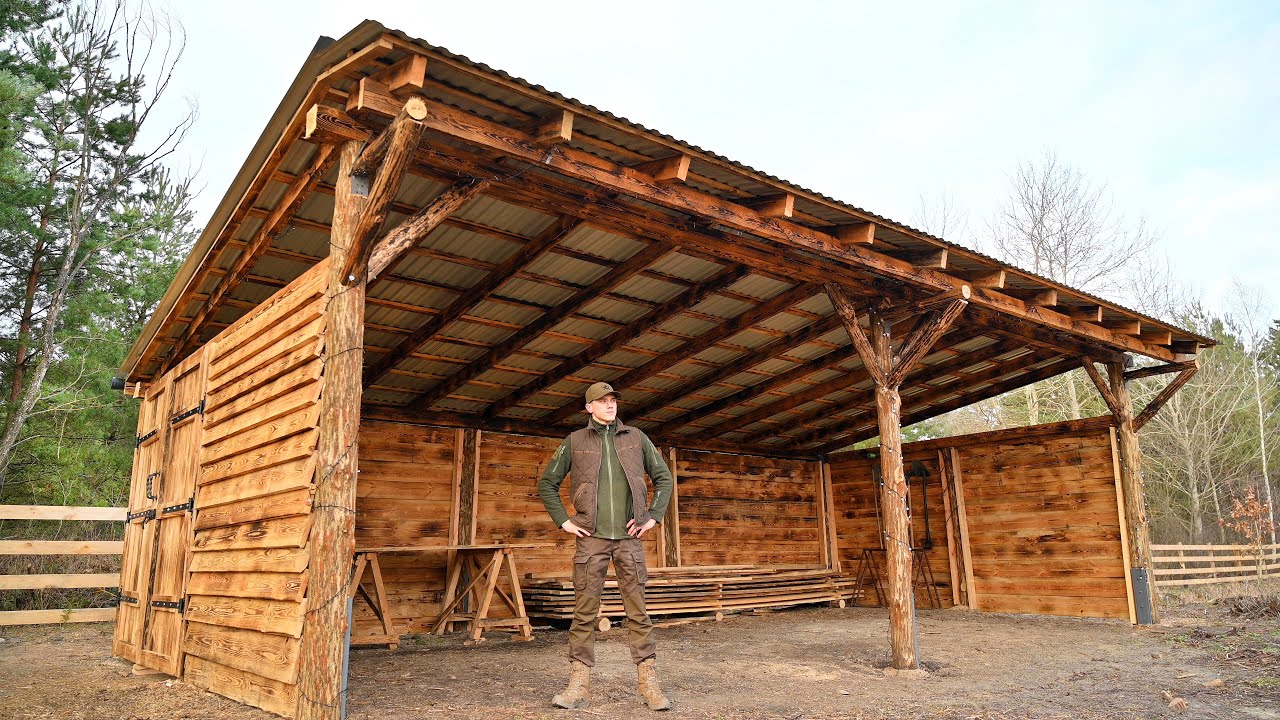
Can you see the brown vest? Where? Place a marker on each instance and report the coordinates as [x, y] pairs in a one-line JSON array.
[[584, 474]]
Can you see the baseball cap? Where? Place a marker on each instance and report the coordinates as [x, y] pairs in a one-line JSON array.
[[599, 390]]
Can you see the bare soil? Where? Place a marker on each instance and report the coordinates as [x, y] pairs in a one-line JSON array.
[[806, 663]]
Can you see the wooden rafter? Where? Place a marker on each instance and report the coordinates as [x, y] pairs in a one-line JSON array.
[[286, 208], [766, 352], [1038, 336], [921, 374], [930, 328], [826, 361], [610, 280], [605, 210], [728, 329], [582, 166], [651, 319], [1164, 395], [502, 272]]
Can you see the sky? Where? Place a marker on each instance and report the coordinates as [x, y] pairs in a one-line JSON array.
[[1174, 107]]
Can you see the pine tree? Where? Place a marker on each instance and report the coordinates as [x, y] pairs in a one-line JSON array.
[[103, 71]]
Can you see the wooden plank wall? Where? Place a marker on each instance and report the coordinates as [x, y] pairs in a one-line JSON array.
[[248, 571], [1044, 525], [746, 510], [412, 480], [856, 503], [404, 497], [1043, 519]]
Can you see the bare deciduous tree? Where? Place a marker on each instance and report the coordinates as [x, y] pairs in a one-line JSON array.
[[1059, 225], [1251, 317]]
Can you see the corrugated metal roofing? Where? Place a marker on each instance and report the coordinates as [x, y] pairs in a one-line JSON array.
[[483, 234]]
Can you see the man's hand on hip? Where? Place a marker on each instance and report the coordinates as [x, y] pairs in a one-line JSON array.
[[574, 530], [638, 531]]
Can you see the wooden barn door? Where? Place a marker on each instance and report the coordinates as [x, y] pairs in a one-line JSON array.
[[135, 564], [158, 568]]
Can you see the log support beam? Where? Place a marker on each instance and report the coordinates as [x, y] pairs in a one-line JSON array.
[[333, 539], [1104, 389], [401, 240], [1163, 396], [1152, 370], [1135, 506], [376, 175], [888, 369]]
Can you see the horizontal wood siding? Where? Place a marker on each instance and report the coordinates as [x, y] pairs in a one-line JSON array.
[[248, 570], [745, 510], [1043, 521], [403, 498], [1044, 527]]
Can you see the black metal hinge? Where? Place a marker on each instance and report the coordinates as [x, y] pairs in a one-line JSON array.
[[180, 605], [143, 438], [188, 505], [122, 598], [197, 410], [144, 514]]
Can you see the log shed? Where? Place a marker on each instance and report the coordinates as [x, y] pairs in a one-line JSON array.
[[388, 323]]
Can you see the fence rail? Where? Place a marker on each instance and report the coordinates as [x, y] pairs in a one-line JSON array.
[[1179, 565], [59, 547]]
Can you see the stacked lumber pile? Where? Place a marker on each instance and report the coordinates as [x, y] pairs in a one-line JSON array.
[[690, 590]]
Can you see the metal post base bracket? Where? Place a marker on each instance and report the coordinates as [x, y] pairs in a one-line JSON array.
[[1142, 595]]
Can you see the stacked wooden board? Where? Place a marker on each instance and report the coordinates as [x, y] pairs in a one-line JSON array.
[[700, 590]]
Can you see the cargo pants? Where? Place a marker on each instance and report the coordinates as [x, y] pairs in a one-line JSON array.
[[591, 560]]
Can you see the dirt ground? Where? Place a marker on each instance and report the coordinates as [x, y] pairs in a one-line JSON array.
[[816, 662]]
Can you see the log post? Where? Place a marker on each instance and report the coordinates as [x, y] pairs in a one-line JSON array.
[[1132, 483], [888, 369], [359, 210], [893, 499], [333, 539]]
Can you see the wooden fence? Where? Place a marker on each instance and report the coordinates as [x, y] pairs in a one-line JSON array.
[[1177, 565], [59, 547]]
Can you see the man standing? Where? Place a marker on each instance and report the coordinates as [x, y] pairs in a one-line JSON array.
[[608, 461]]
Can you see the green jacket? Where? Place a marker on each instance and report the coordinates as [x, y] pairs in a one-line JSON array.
[[611, 462]]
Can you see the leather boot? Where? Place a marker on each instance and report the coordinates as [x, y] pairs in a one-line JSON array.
[[575, 694], [647, 687]]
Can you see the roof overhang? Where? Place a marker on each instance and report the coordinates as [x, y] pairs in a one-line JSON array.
[[664, 250]]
